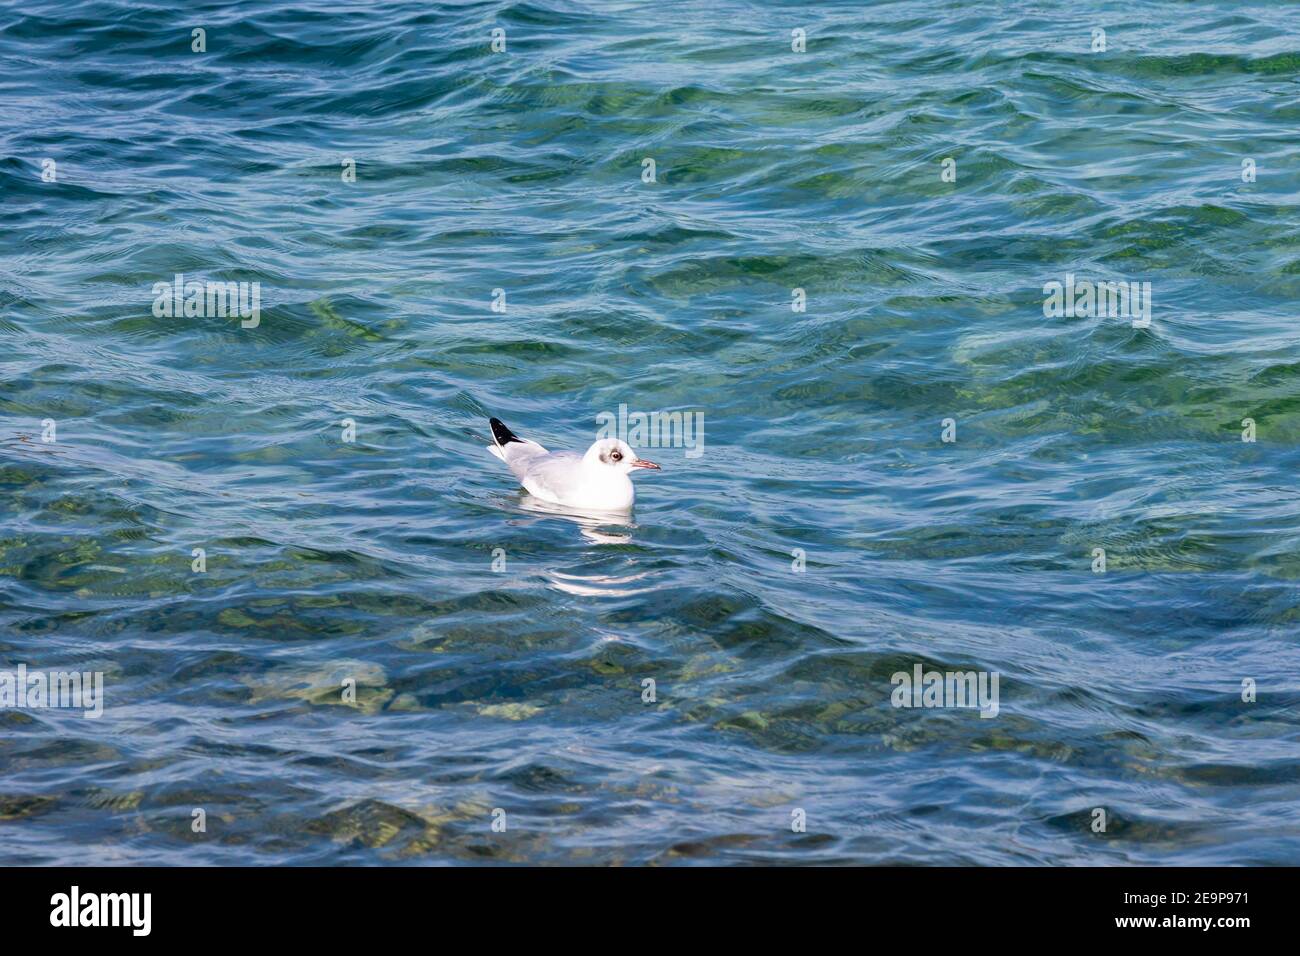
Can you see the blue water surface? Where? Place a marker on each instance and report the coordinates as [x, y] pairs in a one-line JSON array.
[[386, 652]]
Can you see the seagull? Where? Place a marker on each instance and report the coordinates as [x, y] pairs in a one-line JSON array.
[[596, 481]]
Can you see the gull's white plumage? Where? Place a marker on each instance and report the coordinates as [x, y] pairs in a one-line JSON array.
[[596, 481]]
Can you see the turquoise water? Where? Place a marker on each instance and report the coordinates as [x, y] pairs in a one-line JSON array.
[[499, 651]]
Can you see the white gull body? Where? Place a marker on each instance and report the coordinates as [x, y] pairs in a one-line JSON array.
[[596, 481]]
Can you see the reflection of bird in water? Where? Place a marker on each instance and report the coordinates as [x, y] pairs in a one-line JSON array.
[[595, 525]]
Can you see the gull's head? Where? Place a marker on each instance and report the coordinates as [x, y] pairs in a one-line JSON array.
[[615, 455]]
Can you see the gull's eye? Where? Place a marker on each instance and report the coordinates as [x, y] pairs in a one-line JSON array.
[[616, 455]]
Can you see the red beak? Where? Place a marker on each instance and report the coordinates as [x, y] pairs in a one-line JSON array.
[[644, 463]]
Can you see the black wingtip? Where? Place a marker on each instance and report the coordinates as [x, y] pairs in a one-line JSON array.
[[502, 434]]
